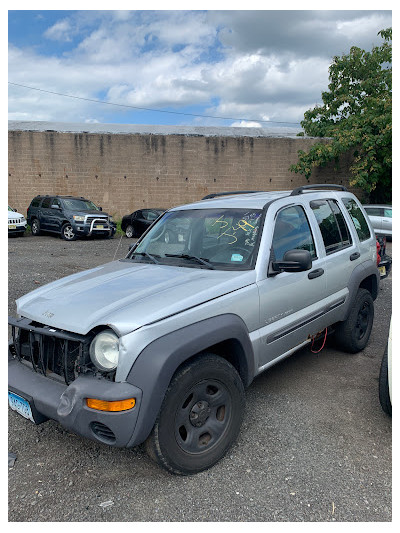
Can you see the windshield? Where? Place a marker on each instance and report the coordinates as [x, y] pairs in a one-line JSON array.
[[10, 208], [202, 238], [76, 204]]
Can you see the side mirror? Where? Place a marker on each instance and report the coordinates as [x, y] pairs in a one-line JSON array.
[[293, 261], [100, 208]]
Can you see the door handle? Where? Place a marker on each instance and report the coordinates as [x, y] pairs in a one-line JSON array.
[[316, 273], [354, 256]]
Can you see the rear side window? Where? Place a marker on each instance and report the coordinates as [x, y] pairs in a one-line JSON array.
[[357, 216], [387, 213], [35, 202], [46, 202], [332, 224], [373, 211], [292, 232]]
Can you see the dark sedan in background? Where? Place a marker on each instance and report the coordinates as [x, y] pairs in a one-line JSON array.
[[137, 223]]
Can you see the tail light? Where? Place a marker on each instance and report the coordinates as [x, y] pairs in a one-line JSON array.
[[378, 249]]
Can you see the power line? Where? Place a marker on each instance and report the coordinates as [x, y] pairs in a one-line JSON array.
[[148, 109]]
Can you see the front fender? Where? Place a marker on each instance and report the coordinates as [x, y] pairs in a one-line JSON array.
[[157, 363]]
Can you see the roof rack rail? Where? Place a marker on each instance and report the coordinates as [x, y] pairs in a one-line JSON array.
[[305, 188], [214, 194]]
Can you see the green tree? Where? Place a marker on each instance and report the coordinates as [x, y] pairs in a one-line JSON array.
[[356, 114]]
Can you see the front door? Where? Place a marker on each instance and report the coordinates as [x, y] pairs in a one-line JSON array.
[[291, 303]]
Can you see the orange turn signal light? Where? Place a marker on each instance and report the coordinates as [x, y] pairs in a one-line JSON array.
[[103, 405]]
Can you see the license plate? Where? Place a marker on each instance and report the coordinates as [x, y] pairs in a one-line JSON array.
[[20, 405], [382, 270], [12, 226], [99, 227]]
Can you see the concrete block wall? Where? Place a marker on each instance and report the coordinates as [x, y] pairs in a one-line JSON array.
[[125, 172]]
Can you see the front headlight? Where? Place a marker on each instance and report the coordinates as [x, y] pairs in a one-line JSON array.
[[111, 219], [104, 350], [79, 218]]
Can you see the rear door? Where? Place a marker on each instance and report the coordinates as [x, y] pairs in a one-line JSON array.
[[341, 249], [45, 214]]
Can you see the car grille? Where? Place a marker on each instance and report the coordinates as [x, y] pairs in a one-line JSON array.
[[89, 219], [53, 353], [14, 220]]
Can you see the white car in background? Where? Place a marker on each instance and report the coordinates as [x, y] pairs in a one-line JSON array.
[[381, 218], [16, 222], [385, 377]]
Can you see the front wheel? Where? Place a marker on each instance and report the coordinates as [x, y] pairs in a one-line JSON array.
[[352, 335], [200, 417], [67, 232], [130, 232]]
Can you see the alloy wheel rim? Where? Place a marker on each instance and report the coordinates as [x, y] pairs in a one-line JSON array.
[[69, 233]]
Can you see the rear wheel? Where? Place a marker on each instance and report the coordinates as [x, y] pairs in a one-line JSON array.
[[352, 335], [35, 227], [200, 417]]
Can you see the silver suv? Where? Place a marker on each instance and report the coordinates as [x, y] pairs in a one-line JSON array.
[[160, 346]]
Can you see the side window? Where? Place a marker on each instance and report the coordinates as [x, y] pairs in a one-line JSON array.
[[344, 230], [35, 202], [357, 216], [387, 212], [151, 215], [292, 231], [46, 202], [56, 201], [335, 233], [373, 211]]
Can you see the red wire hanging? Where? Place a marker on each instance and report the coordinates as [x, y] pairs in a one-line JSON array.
[[323, 344]]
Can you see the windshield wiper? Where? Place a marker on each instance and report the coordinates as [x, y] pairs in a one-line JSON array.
[[146, 254], [198, 259]]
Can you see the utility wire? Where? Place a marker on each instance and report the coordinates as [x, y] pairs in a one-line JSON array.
[[148, 109]]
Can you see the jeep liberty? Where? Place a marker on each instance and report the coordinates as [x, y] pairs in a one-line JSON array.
[[160, 346]]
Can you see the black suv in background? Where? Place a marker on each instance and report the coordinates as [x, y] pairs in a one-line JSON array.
[[137, 223], [70, 216]]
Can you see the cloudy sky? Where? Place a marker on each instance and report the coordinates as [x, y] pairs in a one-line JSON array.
[[268, 67]]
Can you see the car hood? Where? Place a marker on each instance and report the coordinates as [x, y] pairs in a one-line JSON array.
[[125, 295], [87, 212], [14, 214]]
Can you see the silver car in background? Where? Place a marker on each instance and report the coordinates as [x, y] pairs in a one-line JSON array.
[[381, 218]]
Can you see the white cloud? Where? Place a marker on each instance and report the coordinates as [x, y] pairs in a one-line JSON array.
[[267, 65], [61, 31], [245, 124]]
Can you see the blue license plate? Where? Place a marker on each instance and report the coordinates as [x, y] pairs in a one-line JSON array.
[[20, 405]]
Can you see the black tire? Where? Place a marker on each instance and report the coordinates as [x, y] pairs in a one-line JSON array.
[[67, 232], [384, 396], [35, 227], [200, 417], [352, 335], [129, 231]]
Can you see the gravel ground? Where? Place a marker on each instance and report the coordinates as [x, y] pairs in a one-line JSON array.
[[315, 444]]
